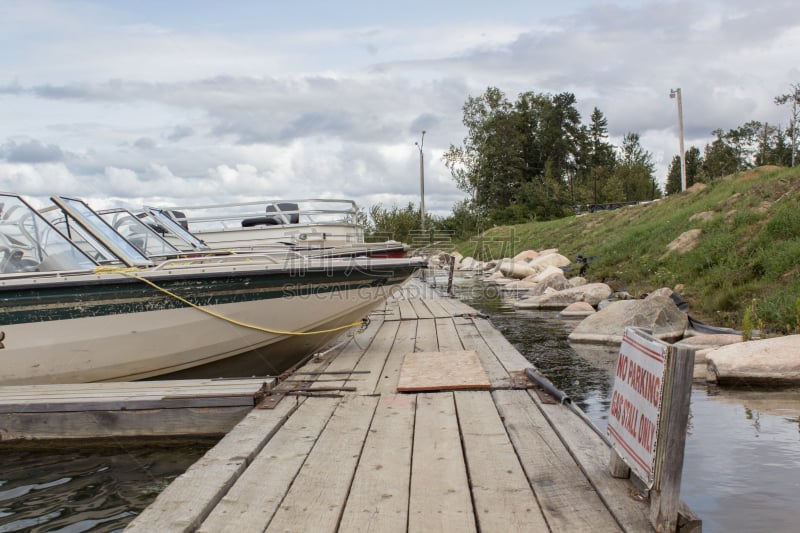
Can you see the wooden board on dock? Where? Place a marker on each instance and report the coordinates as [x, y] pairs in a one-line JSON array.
[[127, 409], [451, 370]]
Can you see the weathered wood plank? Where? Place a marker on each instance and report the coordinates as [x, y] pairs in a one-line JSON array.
[[426, 340], [420, 308], [432, 371], [589, 450], [407, 311], [316, 498], [188, 500], [391, 310], [252, 501], [403, 343], [504, 500], [347, 359], [472, 340], [440, 496], [509, 357], [378, 499], [379, 350], [447, 335], [98, 424], [565, 495], [436, 308]]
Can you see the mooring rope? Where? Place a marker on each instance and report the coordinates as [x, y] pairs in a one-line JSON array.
[[132, 272]]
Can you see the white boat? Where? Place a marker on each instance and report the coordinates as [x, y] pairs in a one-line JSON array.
[[65, 318], [330, 226]]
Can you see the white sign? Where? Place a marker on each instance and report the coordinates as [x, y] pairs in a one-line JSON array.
[[636, 401]]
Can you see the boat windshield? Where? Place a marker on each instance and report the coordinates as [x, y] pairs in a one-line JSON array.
[[166, 224], [28, 243], [89, 220], [142, 236]]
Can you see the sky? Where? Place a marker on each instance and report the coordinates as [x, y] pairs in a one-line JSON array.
[[132, 102]]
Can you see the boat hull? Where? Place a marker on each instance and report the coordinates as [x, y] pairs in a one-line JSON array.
[[122, 329]]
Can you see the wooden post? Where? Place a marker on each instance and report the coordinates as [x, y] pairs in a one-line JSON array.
[[450, 275], [665, 496]]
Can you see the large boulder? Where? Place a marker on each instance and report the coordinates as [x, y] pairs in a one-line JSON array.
[[516, 269], [526, 255], [658, 314], [577, 310], [546, 273], [551, 259], [467, 263], [703, 344], [591, 293], [555, 281], [774, 361]]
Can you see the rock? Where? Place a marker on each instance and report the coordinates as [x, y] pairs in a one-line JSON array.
[[518, 269], [705, 344], [555, 281], [774, 361], [578, 309], [457, 257], [577, 281], [686, 241], [546, 273], [519, 285], [663, 291], [527, 256], [658, 314], [495, 275], [548, 251], [467, 263], [591, 293], [703, 216], [552, 259]]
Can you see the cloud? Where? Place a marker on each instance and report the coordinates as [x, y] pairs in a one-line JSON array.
[[30, 151]]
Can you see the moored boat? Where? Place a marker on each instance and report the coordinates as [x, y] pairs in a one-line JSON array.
[[67, 319]]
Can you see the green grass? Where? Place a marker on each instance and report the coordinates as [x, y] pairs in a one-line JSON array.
[[748, 254]]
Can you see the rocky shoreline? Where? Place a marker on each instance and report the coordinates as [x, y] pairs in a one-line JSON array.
[[539, 281]]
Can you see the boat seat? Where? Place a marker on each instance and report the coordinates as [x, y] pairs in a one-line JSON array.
[[276, 216]]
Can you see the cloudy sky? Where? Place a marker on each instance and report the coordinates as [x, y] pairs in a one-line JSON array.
[[182, 102]]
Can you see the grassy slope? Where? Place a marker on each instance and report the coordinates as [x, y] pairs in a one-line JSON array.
[[748, 254]]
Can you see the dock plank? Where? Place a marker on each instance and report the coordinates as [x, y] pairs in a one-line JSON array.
[[426, 339], [252, 501], [407, 311], [565, 495], [318, 494], [440, 497], [592, 453], [188, 500], [447, 335], [436, 308], [420, 308], [504, 500], [378, 500], [379, 351], [403, 343], [471, 339]]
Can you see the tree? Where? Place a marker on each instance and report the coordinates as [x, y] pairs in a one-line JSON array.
[[719, 158], [635, 171], [792, 98], [694, 170], [600, 155]]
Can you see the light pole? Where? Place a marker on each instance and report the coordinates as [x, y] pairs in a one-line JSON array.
[[421, 182], [672, 94]]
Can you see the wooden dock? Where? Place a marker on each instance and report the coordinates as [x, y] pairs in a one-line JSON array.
[[139, 409], [341, 450]]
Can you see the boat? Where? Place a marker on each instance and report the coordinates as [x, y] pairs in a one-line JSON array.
[[330, 227], [69, 315]]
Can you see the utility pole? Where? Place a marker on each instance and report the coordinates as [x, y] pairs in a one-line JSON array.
[[672, 94], [421, 182]]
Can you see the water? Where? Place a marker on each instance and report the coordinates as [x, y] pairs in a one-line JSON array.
[[71, 489], [742, 464]]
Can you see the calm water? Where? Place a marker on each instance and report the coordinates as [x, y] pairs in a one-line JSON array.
[[742, 466], [87, 488]]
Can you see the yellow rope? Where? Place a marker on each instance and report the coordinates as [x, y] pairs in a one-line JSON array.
[[131, 273]]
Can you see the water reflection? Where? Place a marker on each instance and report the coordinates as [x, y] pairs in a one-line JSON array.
[[742, 463], [91, 489]]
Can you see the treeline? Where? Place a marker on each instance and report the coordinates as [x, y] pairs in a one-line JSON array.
[[534, 159]]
